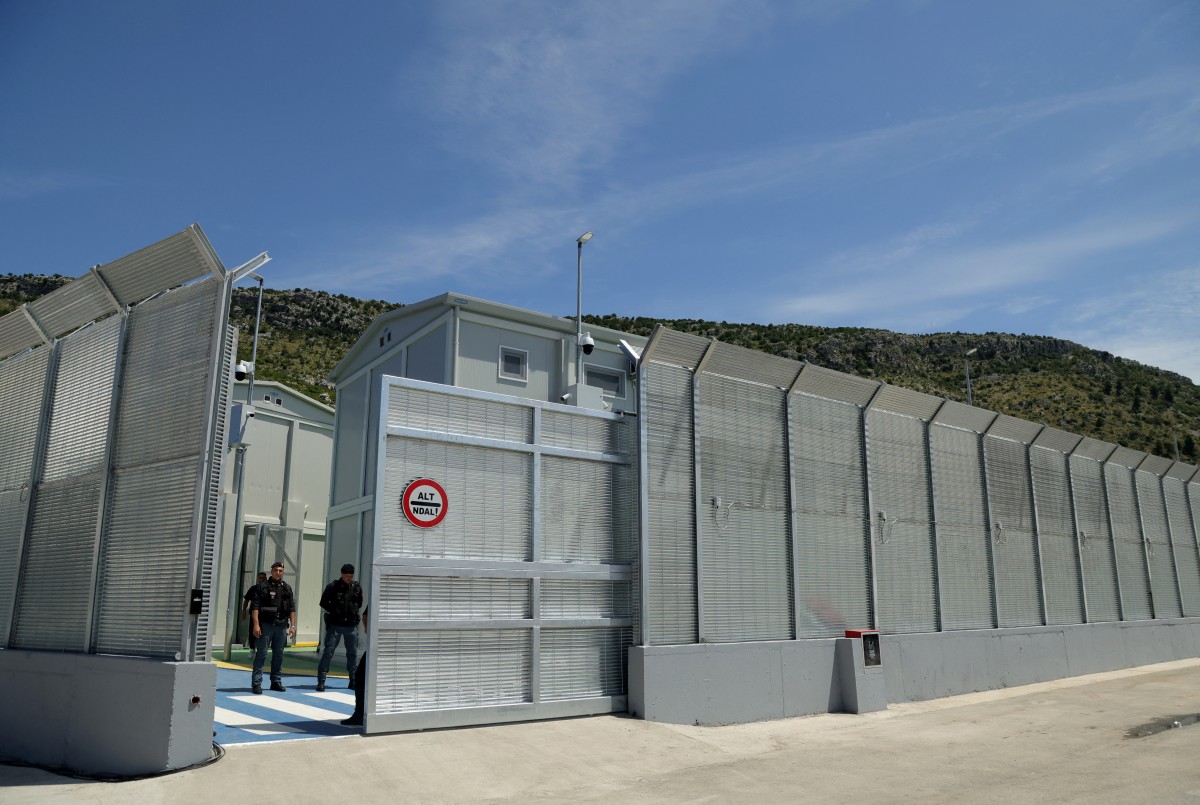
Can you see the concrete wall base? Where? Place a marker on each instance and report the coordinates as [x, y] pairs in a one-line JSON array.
[[103, 715], [730, 683]]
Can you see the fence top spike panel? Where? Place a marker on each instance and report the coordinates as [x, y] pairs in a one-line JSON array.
[[676, 348], [1127, 457], [1184, 472], [834, 385], [750, 365], [1094, 448], [1056, 439], [905, 402], [166, 264], [171, 262], [1017, 430], [967, 417], [1156, 464], [17, 333], [73, 305]]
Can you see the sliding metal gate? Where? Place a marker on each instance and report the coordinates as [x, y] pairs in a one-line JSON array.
[[503, 563]]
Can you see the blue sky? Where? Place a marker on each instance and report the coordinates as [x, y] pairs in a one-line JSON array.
[[917, 166]]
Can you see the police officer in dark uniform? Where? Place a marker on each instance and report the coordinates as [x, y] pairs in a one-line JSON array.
[[341, 601], [272, 621]]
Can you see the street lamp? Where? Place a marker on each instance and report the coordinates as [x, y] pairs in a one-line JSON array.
[[967, 367], [239, 478], [584, 238]]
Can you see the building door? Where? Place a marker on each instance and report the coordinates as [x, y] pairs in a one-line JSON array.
[[503, 561]]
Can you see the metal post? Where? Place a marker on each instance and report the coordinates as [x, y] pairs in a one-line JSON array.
[[1112, 533], [1147, 548], [696, 420], [1037, 526], [789, 413], [933, 520], [239, 484], [866, 447], [643, 425], [1079, 536], [987, 502]]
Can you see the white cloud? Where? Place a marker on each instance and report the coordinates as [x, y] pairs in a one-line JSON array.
[[546, 90], [1152, 320], [16, 187], [887, 282]]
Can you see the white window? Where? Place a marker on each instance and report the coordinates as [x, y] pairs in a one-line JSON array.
[[611, 382], [514, 364]]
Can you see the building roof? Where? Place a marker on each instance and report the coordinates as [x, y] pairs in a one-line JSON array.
[[449, 300]]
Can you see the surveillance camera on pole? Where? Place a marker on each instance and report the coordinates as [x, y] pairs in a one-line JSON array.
[[587, 343], [243, 370]]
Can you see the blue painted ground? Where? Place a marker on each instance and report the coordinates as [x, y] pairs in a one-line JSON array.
[[301, 712]]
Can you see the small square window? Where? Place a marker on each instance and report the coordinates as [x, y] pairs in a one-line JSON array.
[[514, 364], [610, 381]]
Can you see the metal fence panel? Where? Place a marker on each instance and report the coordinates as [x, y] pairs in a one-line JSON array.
[[1056, 530], [1095, 540], [832, 529], [1127, 542], [1014, 540], [962, 529], [60, 549], [424, 669], [22, 390], [744, 512], [491, 523], [145, 560], [432, 411], [83, 391], [580, 503], [1159, 551], [904, 552], [161, 431], [582, 663], [22, 380], [55, 581], [454, 598], [671, 541], [1183, 536]]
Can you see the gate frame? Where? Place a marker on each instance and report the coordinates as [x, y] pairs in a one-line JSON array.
[[534, 569]]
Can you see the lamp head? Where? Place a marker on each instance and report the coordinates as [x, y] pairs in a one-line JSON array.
[[584, 238]]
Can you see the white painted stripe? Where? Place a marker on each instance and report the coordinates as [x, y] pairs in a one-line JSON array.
[[292, 708], [334, 696], [232, 718]]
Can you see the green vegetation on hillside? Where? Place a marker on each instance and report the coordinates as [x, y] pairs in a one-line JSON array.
[[1065, 385]]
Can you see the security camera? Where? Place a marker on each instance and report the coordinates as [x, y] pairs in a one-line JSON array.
[[588, 343], [565, 397], [243, 370]]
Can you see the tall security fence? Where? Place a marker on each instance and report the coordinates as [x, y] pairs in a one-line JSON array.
[[783, 500], [113, 391]]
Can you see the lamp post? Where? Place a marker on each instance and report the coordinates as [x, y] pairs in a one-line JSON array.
[[967, 367], [239, 483], [584, 238]]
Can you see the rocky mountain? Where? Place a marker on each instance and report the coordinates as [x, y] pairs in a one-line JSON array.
[[304, 334]]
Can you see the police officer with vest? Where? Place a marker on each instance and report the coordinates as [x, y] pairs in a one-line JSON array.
[[272, 621], [341, 601]]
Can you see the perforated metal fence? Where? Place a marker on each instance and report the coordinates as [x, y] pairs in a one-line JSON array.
[[784, 500], [112, 397]]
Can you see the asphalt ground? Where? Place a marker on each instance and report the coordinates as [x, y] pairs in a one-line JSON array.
[[1071, 741]]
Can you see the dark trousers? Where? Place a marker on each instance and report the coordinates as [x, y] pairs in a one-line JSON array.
[[360, 685], [274, 636]]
